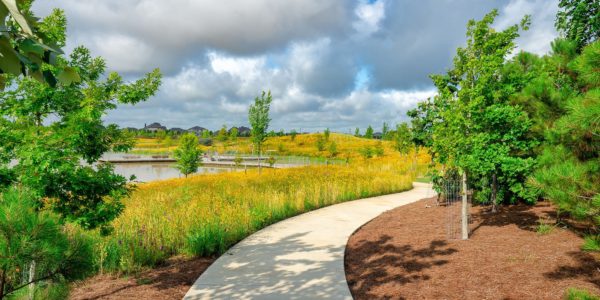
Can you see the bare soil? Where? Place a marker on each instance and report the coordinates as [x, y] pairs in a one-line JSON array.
[[405, 254], [171, 281]]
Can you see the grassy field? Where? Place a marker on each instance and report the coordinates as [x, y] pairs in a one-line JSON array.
[[206, 214], [348, 146]]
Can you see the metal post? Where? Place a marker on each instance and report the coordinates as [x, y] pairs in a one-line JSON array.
[[465, 221]]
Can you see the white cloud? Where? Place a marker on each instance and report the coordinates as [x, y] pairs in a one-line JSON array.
[[369, 17], [541, 32], [329, 63]]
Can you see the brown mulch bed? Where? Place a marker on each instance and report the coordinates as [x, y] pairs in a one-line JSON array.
[[171, 281], [405, 254]]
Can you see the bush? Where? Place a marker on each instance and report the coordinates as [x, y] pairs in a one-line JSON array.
[[271, 161], [205, 141], [366, 152], [320, 143], [379, 149]]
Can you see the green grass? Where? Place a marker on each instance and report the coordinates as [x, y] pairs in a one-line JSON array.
[[591, 243], [543, 227], [578, 294], [423, 179]]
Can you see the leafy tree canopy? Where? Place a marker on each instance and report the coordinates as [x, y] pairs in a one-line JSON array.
[[579, 21], [54, 134]]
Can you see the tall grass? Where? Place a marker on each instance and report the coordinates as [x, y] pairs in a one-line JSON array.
[[348, 146], [206, 214]]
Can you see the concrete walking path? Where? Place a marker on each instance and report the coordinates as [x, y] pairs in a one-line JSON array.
[[297, 258]]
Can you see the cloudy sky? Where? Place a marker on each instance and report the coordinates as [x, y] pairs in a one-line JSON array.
[[329, 63]]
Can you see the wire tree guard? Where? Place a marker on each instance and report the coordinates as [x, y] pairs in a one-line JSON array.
[[456, 197]]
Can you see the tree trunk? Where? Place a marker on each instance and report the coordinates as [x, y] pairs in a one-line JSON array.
[[494, 192], [31, 279], [259, 159], [465, 208], [2, 276]]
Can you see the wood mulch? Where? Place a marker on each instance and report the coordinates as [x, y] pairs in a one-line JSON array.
[[170, 281], [405, 254]]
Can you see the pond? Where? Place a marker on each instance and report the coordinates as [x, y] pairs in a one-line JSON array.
[[153, 167], [149, 171]]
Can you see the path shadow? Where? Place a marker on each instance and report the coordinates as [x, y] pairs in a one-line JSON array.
[[368, 273], [248, 271]]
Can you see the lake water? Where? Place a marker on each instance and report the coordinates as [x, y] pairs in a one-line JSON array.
[[145, 172]]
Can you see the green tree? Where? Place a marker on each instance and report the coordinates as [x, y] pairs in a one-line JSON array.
[[369, 132], [205, 134], [271, 161], [161, 135], [238, 160], [26, 45], [366, 152], [326, 134], [233, 134], [320, 143], [187, 154], [385, 132], [379, 151], [333, 151], [258, 117], [422, 120], [28, 235], [293, 134], [568, 172], [357, 132], [222, 134], [579, 21], [168, 141], [402, 138], [50, 130], [479, 131]]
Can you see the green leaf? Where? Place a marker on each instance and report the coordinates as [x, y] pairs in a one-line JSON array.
[[16, 14], [9, 62], [3, 14], [2, 81], [68, 75], [30, 46], [49, 78]]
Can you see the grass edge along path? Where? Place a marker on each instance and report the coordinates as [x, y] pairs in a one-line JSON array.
[[205, 215]]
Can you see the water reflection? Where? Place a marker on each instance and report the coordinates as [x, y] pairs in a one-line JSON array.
[[145, 172]]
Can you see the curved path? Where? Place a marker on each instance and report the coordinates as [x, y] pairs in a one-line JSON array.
[[298, 258]]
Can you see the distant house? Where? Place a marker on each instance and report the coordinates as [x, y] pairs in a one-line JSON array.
[[197, 130], [243, 131], [154, 127], [377, 135], [177, 130]]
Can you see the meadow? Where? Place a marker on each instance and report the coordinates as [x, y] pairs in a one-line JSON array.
[[204, 215], [347, 146]]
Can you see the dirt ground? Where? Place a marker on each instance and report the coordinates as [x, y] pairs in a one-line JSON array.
[[405, 254], [171, 281]]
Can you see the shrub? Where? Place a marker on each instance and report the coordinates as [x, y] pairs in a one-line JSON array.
[[366, 152], [271, 161], [205, 142], [320, 143], [379, 149]]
